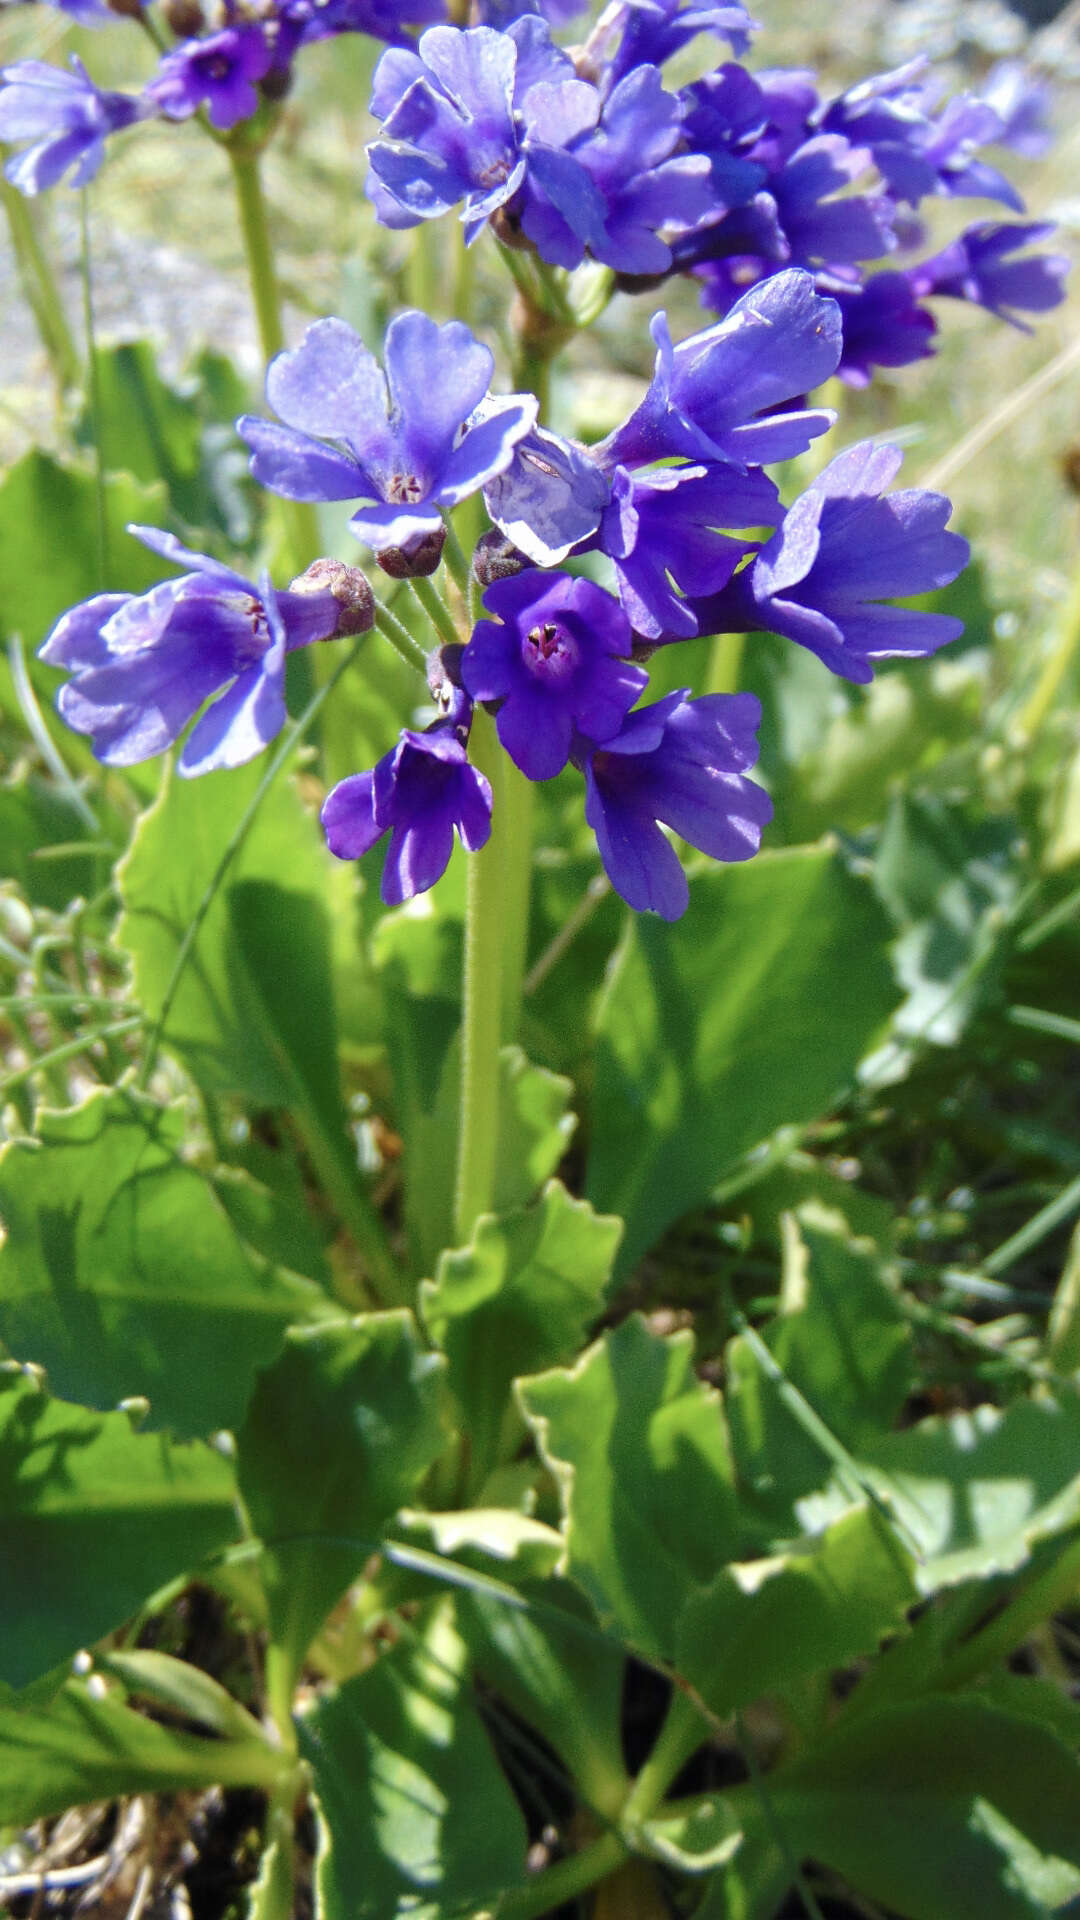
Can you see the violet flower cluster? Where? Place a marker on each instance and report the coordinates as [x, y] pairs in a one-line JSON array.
[[681, 532], [589, 154], [226, 69]]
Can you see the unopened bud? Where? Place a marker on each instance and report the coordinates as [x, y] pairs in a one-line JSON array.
[[507, 228], [639, 282], [351, 589], [415, 561], [276, 84], [496, 558], [185, 17], [131, 9]]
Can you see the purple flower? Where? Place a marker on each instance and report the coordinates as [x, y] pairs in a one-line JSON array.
[[681, 762], [66, 118], [979, 266], [503, 121], [635, 33], [804, 216], [550, 498], [219, 72], [503, 13], [792, 105], [142, 665], [419, 793], [915, 153], [555, 657], [884, 326], [723, 115], [1022, 104], [380, 19], [662, 532], [843, 546], [85, 13], [465, 114], [409, 444], [634, 184], [711, 396]]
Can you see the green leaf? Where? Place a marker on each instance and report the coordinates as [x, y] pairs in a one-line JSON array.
[[978, 1489], [41, 575], [184, 1689], [122, 1274], [479, 1535], [155, 431], [95, 1517], [841, 1339], [518, 1299], [1063, 1328], [639, 1448], [417, 1818], [697, 1839], [761, 1627], [918, 1808], [85, 1746], [750, 1013], [237, 1021], [563, 1680], [339, 1434], [32, 817], [949, 883], [537, 1643]]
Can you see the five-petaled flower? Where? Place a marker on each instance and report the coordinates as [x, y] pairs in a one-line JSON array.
[[409, 444]]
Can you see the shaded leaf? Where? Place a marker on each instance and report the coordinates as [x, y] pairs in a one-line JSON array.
[[339, 1434], [518, 1299], [121, 1273], [639, 1449], [33, 816], [41, 575], [918, 1807], [95, 1517], [749, 1013], [84, 1747], [759, 1628], [841, 1339], [416, 1815], [237, 1021]]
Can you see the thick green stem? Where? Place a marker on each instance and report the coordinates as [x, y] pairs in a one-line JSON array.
[[39, 285], [557, 1885], [258, 249], [725, 663], [519, 808], [481, 1030], [682, 1733], [1037, 707], [426, 274], [300, 516]]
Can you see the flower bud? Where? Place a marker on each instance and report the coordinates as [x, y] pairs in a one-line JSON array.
[[496, 558], [276, 84], [130, 8], [185, 17], [418, 559], [350, 588]]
